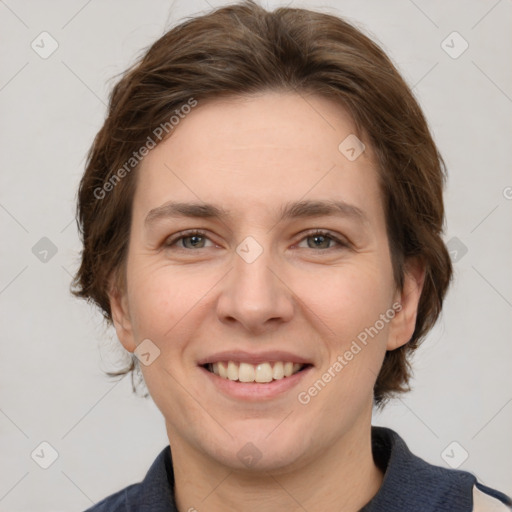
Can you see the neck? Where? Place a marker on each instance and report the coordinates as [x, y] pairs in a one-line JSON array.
[[344, 478]]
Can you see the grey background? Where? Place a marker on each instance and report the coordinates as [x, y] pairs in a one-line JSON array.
[[54, 348]]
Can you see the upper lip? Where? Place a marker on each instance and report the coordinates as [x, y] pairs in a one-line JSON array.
[[253, 357]]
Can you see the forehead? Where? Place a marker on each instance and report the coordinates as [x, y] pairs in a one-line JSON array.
[[253, 154]]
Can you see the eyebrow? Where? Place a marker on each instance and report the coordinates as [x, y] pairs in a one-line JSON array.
[[293, 210]]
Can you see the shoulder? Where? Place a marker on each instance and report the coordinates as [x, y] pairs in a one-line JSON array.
[[117, 502], [411, 483], [154, 494], [488, 500]]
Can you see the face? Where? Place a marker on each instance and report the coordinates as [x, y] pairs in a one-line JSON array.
[[270, 304]]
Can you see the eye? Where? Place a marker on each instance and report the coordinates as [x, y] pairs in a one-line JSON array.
[[194, 239], [322, 240]]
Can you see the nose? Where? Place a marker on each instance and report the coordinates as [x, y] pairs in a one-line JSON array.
[[255, 294]]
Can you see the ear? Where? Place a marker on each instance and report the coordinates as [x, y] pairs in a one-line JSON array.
[[403, 324], [121, 316]]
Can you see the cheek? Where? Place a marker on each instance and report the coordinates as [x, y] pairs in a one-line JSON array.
[[160, 299], [351, 304], [169, 304], [349, 297]]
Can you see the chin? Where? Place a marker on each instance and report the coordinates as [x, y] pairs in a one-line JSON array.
[[255, 450]]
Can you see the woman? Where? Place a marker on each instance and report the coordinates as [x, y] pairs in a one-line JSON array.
[[262, 215]]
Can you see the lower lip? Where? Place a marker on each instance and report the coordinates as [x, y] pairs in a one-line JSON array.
[[255, 390]]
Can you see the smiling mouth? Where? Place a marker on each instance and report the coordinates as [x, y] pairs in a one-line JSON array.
[[258, 373]]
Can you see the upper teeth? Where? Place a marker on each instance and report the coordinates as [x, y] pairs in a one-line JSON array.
[[262, 372]]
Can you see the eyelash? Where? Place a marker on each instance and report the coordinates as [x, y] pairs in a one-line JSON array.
[[198, 232]]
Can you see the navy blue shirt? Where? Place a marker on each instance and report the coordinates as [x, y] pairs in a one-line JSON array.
[[410, 485]]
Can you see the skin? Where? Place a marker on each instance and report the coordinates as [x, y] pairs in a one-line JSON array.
[[251, 155]]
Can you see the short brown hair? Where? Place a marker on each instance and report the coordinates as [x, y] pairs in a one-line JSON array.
[[242, 49]]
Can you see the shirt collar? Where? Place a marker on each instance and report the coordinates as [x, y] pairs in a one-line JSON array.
[[409, 482]]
